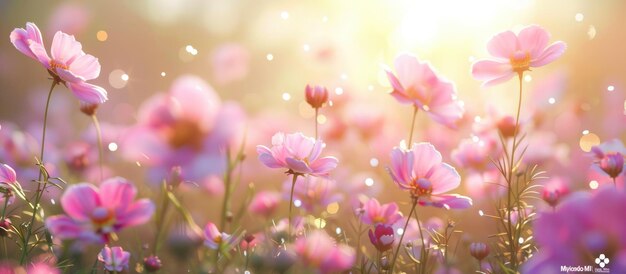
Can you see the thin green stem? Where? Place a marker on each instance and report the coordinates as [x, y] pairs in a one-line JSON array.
[[40, 189], [423, 255], [293, 186], [410, 141], [395, 255], [4, 240], [96, 124], [227, 183], [512, 240]]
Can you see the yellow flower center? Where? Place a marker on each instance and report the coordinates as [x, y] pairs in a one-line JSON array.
[[54, 65], [421, 187], [520, 61], [184, 133]]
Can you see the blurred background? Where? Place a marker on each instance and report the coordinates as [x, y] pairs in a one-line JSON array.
[[261, 54]]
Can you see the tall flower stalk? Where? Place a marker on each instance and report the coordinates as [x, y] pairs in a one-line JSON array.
[[513, 55]]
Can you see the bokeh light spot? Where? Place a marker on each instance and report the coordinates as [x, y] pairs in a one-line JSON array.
[[332, 208], [102, 35], [587, 141], [118, 79]]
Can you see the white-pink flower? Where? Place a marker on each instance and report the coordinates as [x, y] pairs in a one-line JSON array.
[[416, 83], [298, 154], [515, 54], [68, 64]]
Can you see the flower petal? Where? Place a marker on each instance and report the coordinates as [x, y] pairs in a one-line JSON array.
[[550, 54], [488, 69], [267, 158], [449, 201], [298, 165], [444, 178], [65, 48], [533, 39], [503, 45], [117, 193], [63, 227], [324, 165], [88, 93], [69, 76], [138, 213], [86, 66], [40, 54], [426, 159], [80, 200]]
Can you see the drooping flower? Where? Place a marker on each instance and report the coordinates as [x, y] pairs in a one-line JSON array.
[[264, 203], [115, 259], [479, 250], [188, 127], [298, 154], [422, 172], [316, 96], [382, 237], [374, 213], [515, 54], [416, 83], [584, 226], [93, 214], [214, 239], [319, 251], [610, 157], [69, 64]]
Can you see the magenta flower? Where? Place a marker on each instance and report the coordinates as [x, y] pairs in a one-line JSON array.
[[40, 268], [115, 259], [382, 237], [214, 239], [316, 96], [93, 214], [515, 54], [264, 203], [319, 251], [416, 83], [298, 154], [554, 191], [68, 65], [584, 226], [610, 157], [374, 213], [422, 172]]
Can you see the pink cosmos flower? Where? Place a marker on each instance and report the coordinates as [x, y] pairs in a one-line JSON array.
[[515, 54], [382, 237], [374, 213], [314, 193], [476, 153], [554, 191], [298, 154], [69, 64], [610, 157], [41, 268], [416, 83], [264, 203], [214, 239], [422, 172], [114, 258], [93, 214], [188, 127], [584, 226], [319, 251], [316, 96]]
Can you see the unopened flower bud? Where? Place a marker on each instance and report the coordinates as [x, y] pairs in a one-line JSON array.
[[152, 263], [479, 250], [316, 96]]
